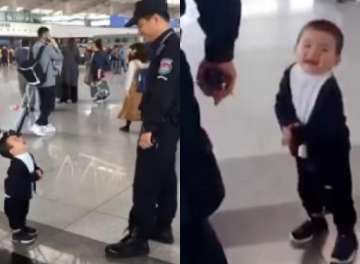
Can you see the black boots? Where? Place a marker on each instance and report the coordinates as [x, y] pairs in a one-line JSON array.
[[163, 235], [130, 246]]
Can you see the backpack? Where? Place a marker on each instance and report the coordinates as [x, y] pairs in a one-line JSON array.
[[32, 70]]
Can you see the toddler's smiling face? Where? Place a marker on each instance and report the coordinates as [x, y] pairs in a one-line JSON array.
[[316, 52]]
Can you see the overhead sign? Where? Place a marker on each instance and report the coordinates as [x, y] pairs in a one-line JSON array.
[[10, 29], [13, 29]]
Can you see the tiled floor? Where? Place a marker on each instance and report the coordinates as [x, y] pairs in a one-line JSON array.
[[84, 199], [57, 246], [262, 204]]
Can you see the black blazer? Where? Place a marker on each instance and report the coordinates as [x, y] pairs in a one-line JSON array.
[[326, 134], [20, 182]]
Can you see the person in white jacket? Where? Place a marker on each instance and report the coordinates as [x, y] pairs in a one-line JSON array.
[[138, 62]]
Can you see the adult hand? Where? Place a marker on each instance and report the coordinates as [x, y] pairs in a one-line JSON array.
[[53, 43], [145, 140], [217, 79]]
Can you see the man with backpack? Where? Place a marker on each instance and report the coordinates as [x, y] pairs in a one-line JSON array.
[[50, 58]]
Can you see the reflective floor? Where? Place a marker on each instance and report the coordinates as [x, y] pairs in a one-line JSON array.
[[262, 203], [84, 199]]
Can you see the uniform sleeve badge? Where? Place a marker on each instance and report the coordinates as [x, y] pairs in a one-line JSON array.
[[166, 66]]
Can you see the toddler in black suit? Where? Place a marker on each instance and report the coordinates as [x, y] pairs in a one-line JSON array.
[[19, 185], [310, 112]]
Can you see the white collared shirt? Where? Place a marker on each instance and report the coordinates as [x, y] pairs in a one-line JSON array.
[[28, 161], [305, 89]]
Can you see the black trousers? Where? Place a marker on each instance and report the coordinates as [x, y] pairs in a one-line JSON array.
[[16, 212], [47, 104], [69, 92], [155, 183], [199, 243], [326, 184], [201, 238]]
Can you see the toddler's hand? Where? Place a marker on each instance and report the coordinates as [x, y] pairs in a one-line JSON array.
[[40, 174], [288, 136], [290, 139]]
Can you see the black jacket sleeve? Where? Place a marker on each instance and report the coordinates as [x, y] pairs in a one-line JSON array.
[[164, 91], [36, 168], [220, 21], [284, 107]]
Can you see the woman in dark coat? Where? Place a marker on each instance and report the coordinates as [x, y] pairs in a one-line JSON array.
[[70, 73]]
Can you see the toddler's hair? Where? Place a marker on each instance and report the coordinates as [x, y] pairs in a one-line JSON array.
[[328, 27]]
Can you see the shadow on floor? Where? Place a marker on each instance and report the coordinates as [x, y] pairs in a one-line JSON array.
[[56, 246]]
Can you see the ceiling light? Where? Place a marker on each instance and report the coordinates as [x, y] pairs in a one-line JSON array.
[[4, 8]]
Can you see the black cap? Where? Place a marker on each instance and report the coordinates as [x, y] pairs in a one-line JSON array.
[[145, 8]]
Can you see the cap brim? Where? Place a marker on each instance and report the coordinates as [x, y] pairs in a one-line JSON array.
[[131, 22]]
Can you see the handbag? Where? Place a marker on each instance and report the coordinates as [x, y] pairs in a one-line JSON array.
[[100, 89]]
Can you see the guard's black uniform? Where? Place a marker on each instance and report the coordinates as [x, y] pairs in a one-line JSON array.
[[155, 184], [201, 187]]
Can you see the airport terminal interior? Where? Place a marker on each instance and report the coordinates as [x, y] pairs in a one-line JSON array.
[[86, 194], [83, 202]]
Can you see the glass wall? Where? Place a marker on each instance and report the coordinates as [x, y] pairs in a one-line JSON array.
[[24, 16]]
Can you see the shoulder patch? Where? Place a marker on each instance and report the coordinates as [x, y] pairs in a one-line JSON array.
[[166, 66]]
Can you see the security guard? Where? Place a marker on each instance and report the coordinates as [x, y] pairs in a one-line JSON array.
[[155, 184], [201, 185]]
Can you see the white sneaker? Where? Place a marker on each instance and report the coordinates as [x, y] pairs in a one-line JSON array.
[[98, 100], [38, 130], [50, 128]]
